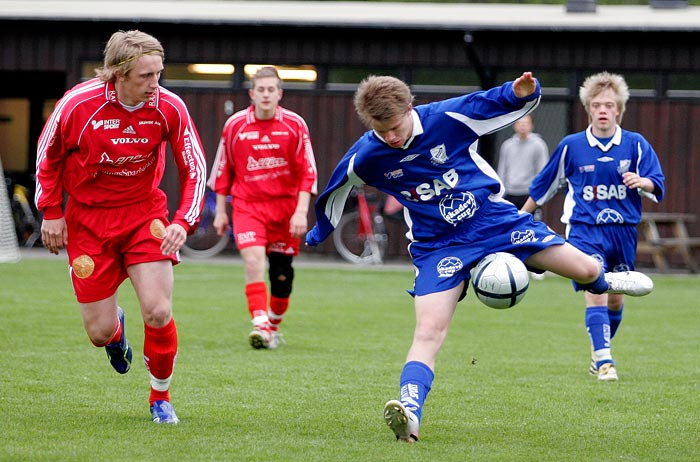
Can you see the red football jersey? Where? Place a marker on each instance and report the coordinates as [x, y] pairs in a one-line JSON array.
[[260, 160], [104, 155]]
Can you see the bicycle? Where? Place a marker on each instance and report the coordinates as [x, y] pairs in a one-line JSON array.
[[26, 218], [205, 242], [360, 237]]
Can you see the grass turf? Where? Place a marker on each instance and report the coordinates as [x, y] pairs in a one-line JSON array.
[[511, 385]]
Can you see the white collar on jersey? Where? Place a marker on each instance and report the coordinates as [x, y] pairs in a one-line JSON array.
[[614, 141], [417, 130]]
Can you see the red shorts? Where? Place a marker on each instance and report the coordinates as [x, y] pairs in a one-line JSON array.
[[265, 224], [103, 242]]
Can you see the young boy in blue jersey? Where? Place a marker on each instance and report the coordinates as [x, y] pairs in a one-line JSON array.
[[426, 157], [608, 170]]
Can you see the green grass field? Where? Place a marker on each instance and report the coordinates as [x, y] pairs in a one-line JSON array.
[[511, 385]]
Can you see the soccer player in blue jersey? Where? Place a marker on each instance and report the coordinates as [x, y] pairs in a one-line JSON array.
[[608, 171], [426, 157]]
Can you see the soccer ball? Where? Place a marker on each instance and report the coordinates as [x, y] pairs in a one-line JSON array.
[[500, 280]]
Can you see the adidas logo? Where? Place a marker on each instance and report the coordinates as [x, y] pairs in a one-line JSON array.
[[129, 130], [265, 139]]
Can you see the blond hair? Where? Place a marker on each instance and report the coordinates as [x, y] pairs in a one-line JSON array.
[[597, 83], [381, 98], [264, 72], [122, 51]]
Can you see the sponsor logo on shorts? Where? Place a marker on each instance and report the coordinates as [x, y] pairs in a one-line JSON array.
[[449, 266], [522, 237], [157, 229], [246, 237], [83, 266], [281, 247]]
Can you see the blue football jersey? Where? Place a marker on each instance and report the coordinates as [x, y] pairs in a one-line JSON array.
[[592, 174], [438, 176]]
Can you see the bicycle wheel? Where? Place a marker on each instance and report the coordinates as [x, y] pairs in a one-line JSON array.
[[204, 242], [356, 247]]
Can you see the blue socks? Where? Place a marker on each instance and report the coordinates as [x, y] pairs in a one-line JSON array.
[[416, 380], [599, 286], [598, 327], [615, 317]]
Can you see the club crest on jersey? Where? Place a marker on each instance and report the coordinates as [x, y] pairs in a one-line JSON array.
[[449, 266], [438, 154], [456, 208], [624, 166], [394, 174]]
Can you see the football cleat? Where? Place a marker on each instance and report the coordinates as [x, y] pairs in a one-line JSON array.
[[119, 353], [163, 412], [631, 283], [593, 368], [263, 337], [275, 340], [607, 372], [402, 422]]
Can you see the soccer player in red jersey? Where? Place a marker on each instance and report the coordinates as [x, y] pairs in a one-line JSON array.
[[266, 163], [104, 145]]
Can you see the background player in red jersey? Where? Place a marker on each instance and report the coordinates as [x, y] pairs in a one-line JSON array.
[[104, 145], [266, 163]]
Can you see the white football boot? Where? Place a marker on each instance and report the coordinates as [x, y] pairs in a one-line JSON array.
[[631, 283], [402, 422], [607, 372]]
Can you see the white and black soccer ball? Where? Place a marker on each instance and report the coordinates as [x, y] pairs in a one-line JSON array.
[[500, 280]]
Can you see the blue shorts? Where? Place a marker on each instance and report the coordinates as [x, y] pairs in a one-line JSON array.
[[614, 246], [443, 263]]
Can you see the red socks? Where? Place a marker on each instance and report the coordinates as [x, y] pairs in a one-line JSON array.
[[256, 293], [278, 306], [159, 353]]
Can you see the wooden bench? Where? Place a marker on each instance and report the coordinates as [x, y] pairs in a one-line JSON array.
[[662, 234]]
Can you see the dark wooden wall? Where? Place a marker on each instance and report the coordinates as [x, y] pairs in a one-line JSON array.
[[55, 50]]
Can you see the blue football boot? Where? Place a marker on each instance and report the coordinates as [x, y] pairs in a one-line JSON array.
[[119, 353], [163, 412]]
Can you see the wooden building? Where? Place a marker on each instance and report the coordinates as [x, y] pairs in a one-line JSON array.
[[440, 49]]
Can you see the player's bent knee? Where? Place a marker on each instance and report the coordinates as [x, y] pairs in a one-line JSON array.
[[281, 275]]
